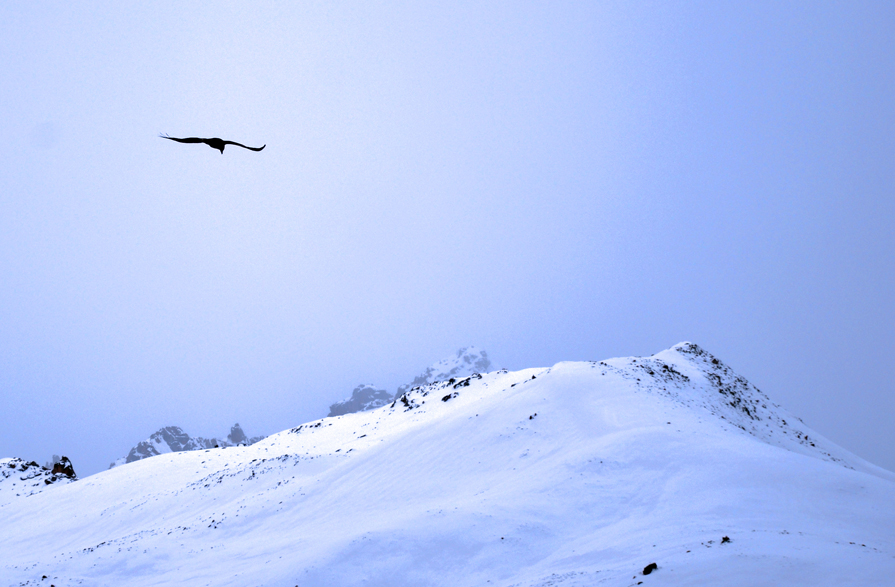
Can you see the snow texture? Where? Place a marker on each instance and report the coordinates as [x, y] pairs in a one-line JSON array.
[[662, 470]]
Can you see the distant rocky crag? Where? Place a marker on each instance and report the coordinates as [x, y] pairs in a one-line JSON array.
[[363, 398], [465, 361], [174, 439]]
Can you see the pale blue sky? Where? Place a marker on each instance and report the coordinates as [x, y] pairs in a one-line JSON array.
[[548, 181]]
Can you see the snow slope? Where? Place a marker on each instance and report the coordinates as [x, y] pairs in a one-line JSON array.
[[578, 474]]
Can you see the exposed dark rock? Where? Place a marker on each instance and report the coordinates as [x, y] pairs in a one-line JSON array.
[[465, 381], [465, 361], [64, 467], [29, 478], [650, 568]]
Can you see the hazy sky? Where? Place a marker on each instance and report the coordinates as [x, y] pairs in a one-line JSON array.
[[548, 181]]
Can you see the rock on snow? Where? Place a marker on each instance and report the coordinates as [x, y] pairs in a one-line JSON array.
[[366, 396]]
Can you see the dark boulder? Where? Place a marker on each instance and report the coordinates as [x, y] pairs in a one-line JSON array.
[[63, 467]]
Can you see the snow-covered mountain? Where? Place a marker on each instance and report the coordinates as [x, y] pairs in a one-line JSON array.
[[465, 361], [583, 473], [174, 439]]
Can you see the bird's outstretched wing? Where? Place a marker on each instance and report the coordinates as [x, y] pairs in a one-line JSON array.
[[185, 140], [243, 146]]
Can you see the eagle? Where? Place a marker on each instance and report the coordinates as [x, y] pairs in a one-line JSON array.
[[214, 143]]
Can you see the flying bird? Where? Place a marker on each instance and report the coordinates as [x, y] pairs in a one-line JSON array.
[[214, 143]]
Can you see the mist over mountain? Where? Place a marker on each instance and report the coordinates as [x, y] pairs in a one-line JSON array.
[[465, 361], [671, 468], [364, 397]]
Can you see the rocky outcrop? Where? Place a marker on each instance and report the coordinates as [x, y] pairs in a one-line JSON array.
[[237, 436], [63, 467], [175, 439], [464, 362], [21, 478], [364, 397]]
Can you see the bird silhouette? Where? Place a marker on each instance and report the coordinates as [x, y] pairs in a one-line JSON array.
[[214, 143]]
